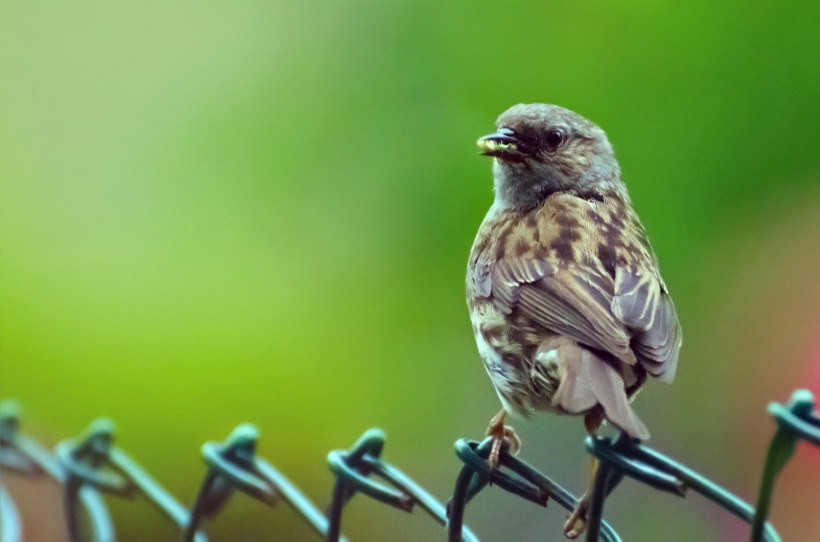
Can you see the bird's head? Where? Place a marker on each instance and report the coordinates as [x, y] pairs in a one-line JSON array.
[[541, 149]]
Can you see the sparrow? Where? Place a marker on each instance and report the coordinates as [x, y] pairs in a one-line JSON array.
[[568, 307]]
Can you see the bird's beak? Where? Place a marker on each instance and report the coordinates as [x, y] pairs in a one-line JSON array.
[[502, 144]]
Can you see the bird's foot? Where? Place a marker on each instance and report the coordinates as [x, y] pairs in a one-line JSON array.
[[576, 522], [502, 435]]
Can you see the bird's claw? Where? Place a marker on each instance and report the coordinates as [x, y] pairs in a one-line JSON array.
[[576, 522], [504, 438]]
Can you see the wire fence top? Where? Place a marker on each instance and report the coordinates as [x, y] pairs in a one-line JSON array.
[[91, 466]]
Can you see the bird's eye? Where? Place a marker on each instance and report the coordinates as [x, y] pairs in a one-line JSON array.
[[553, 139]]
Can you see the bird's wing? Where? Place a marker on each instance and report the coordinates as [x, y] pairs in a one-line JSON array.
[[574, 300], [642, 303], [630, 316]]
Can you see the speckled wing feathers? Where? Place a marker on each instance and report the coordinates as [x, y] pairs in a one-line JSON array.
[[636, 297], [658, 346], [510, 274], [642, 304], [574, 301]]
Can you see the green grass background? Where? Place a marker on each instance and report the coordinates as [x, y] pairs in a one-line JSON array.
[[213, 213]]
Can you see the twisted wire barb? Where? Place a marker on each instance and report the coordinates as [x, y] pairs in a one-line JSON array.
[[24, 455], [93, 459], [623, 456], [352, 467], [92, 462], [234, 465], [525, 482], [797, 421]]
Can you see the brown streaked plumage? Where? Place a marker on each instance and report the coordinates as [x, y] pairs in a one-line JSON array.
[[568, 307]]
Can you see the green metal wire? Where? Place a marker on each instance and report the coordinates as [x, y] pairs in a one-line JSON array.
[[87, 459], [603, 484], [10, 528], [352, 468], [163, 501], [92, 462], [233, 465], [524, 481], [623, 457], [21, 453], [794, 422], [627, 457]]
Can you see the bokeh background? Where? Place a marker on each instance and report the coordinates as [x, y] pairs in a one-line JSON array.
[[215, 213]]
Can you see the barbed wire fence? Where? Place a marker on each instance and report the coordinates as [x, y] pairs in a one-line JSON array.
[[91, 465]]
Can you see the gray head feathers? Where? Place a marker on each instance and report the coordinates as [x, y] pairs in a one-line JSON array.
[[541, 149]]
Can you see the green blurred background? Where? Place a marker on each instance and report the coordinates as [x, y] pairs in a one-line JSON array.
[[255, 211]]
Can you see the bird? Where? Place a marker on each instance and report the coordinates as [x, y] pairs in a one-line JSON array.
[[568, 307]]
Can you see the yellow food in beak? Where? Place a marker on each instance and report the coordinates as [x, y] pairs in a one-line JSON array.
[[491, 145]]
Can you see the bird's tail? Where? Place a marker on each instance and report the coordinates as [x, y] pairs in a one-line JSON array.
[[587, 380]]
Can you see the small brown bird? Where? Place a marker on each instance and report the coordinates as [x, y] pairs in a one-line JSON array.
[[568, 307]]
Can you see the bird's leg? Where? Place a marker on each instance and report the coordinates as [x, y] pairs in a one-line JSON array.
[[576, 523], [500, 432]]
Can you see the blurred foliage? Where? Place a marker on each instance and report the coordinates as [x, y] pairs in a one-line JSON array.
[[261, 211]]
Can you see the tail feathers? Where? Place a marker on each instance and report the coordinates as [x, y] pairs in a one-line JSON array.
[[587, 380]]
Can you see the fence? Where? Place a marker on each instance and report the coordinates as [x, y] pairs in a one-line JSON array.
[[91, 465]]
